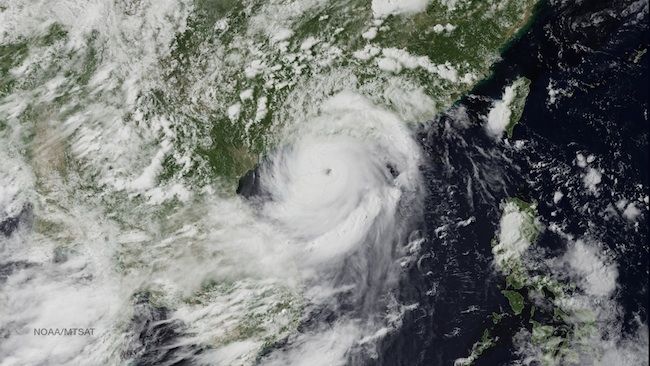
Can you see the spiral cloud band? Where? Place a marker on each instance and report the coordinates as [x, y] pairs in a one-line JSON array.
[[342, 187]]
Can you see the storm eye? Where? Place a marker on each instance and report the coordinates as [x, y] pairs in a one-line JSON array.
[[391, 169]]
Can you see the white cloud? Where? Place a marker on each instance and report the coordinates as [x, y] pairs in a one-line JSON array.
[[382, 8]]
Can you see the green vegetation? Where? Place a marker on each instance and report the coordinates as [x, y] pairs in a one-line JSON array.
[[481, 29], [496, 318], [521, 88], [55, 33], [206, 70], [11, 55], [556, 326], [515, 299], [478, 349], [530, 228]]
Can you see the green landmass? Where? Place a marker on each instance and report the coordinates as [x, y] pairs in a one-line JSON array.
[[558, 328], [486, 342], [205, 72], [515, 299], [521, 89], [481, 30]]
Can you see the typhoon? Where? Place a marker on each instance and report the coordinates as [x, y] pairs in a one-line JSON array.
[[277, 182]]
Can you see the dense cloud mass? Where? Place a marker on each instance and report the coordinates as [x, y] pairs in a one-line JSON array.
[[316, 182]]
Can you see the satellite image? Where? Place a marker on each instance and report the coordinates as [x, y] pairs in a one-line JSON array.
[[324, 182]]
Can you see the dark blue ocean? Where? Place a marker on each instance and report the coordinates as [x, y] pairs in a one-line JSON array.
[[593, 54]]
